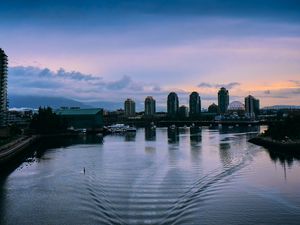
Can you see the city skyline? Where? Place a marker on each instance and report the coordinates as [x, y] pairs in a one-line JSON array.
[[135, 50]]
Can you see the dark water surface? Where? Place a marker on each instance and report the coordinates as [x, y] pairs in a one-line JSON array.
[[184, 176]]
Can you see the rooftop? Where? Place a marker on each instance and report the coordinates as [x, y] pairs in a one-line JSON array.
[[78, 111]]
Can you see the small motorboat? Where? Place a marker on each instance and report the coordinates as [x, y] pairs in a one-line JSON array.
[[173, 126], [120, 128]]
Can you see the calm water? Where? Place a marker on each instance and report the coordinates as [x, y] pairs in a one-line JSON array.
[[199, 176]]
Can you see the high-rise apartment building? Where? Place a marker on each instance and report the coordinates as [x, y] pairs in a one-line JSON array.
[[195, 104], [223, 100], [129, 106], [173, 104], [149, 106], [3, 88], [251, 106]]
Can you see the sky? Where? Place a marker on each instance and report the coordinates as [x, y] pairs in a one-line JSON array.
[[110, 50]]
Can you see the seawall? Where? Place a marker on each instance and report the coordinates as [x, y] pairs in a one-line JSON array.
[[13, 149]]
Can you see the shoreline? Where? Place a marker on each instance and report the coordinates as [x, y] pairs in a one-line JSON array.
[[275, 144], [15, 148], [12, 150]]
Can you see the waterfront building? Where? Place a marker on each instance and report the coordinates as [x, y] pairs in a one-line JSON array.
[[183, 112], [82, 118], [3, 88], [195, 105], [252, 106], [129, 106], [223, 100], [236, 107], [21, 118], [173, 104], [213, 108], [149, 106]]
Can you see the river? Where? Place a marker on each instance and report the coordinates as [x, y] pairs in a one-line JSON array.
[[156, 176]]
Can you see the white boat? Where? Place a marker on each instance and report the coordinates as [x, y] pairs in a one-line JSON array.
[[173, 126], [120, 128], [130, 129]]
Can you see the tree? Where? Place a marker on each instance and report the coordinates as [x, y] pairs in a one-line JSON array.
[[47, 122], [288, 128]]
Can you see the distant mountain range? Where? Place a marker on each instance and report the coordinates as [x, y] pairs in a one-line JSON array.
[[282, 107], [34, 102]]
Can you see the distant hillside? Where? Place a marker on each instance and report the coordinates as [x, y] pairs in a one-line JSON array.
[[37, 101], [16, 101], [107, 105], [282, 107]]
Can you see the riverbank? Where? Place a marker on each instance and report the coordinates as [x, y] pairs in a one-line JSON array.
[[284, 145], [13, 149]]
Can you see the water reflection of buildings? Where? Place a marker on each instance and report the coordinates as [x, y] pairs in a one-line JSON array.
[[225, 129], [195, 135], [225, 153], [195, 144], [173, 135], [150, 134], [130, 136]]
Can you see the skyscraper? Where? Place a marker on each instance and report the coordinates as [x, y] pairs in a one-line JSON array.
[[149, 106], [129, 106], [223, 100], [3, 88], [252, 106], [195, 104], [173, 104]]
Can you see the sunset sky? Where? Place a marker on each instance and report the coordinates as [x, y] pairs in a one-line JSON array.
[[109, 50]]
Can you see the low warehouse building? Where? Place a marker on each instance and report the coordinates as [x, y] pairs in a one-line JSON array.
[[82, 118]]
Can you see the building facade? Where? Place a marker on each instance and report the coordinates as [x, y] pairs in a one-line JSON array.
[[129, 106], [150, 106], [223, 100], [236, 108], [3, 88], [195, 105], [213, 108], [183, 112], [251, 106], [173, 104], [82, 118]]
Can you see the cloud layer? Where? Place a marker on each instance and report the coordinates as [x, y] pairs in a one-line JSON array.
[[34, 81], [137, 48], [37, 81], [227, 86]]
